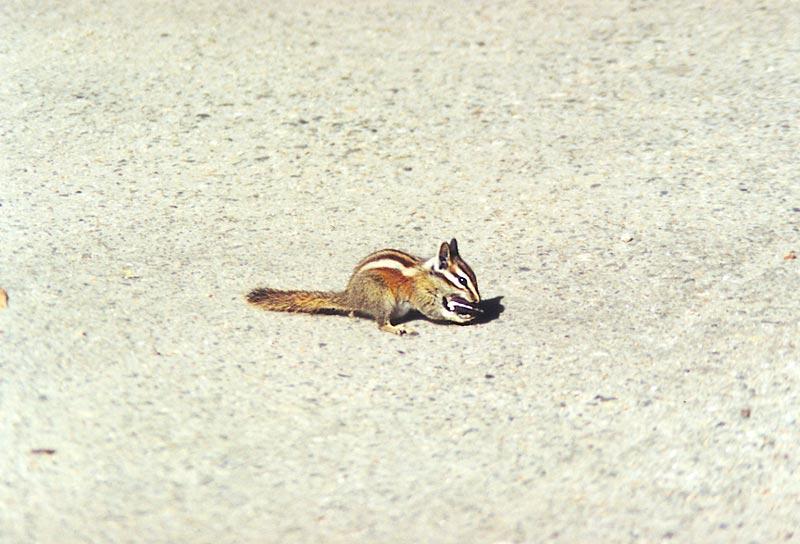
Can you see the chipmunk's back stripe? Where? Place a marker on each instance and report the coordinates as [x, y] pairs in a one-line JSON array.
[[390, 258], [389, 263]]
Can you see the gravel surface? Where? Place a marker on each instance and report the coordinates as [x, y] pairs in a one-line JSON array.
[[622, 177]]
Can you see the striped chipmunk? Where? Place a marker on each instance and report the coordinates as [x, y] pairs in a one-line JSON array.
[[388, 284]]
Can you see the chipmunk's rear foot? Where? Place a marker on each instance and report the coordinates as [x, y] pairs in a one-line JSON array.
[[399, 331]]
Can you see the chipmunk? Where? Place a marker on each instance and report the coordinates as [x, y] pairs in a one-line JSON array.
[[386, 285]]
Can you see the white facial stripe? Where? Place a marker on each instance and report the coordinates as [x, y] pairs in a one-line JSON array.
[[433, 263], [452, 278], [390, 263], [470, 285]]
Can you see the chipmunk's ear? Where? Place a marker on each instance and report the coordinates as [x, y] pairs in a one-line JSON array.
[[454, 247], [444, 255]]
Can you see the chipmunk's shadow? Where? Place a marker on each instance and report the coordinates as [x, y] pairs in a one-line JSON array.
[[492, 308]]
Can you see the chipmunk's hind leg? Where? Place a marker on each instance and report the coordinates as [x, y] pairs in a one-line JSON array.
[[369, 292], [394, 329]]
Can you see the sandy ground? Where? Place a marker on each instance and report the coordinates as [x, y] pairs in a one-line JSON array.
[[624, 175]]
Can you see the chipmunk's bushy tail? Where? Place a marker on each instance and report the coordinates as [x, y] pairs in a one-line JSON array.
[[299, 301]]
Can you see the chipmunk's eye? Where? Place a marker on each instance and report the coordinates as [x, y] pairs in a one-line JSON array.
[[462, 280]]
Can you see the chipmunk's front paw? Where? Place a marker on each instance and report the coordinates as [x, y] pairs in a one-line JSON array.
[[399, 331]]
